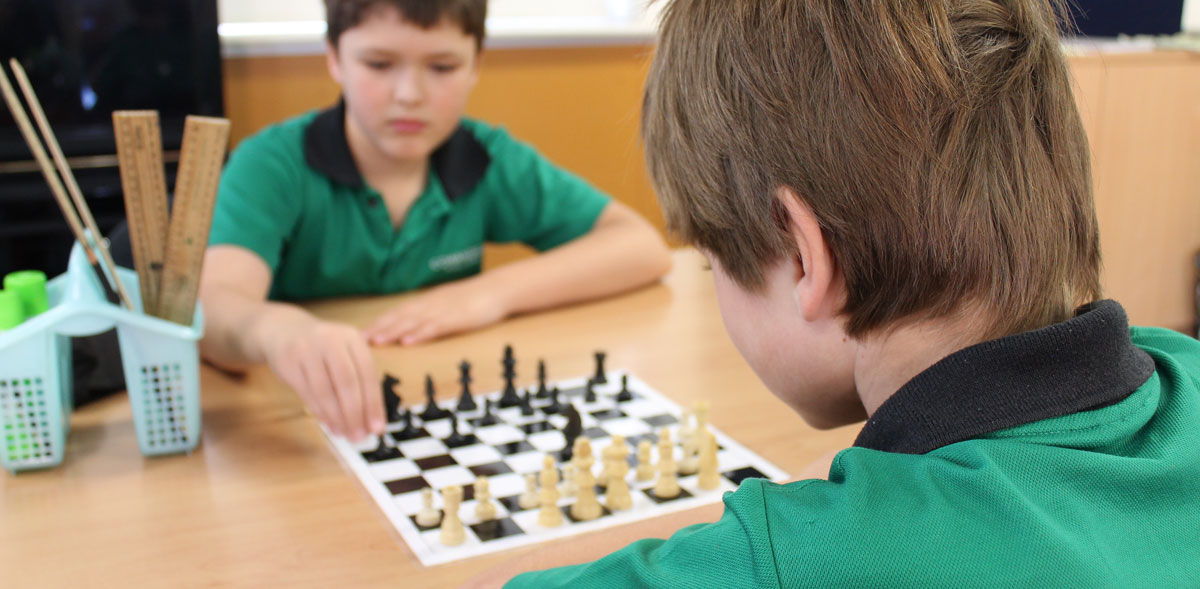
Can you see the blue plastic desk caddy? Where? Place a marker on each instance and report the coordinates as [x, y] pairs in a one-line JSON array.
[[160, 360]]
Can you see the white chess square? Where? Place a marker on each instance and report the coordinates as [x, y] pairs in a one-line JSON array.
[[422, 448], [394, 470], [412, 503], [499, 434], [507, 485], [365, 445], [440, 478], [550, 441], [643, 408], [626, 426], [525, 462], [475, 454], [433, 539], [728, 460]]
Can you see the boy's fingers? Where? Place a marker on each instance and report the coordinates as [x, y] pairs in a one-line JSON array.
[[394, 332], [368, 376], [422, 334], [347, 388], [321, 393]]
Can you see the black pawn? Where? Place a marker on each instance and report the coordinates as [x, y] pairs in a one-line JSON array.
[[456, 438], [432, 411], [466, 402], [589, 395], [409, 432], [571, 431], [391, 401], [488, 418], [382, 451], [624, 395], [543, 392], [510, 398], [554, 406], [527, 403], [600, 378]]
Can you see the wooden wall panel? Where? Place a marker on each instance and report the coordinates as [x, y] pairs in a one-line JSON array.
[[580, 107]]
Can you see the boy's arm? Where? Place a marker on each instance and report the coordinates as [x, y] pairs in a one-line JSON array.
[[621, 251], [328, 364]]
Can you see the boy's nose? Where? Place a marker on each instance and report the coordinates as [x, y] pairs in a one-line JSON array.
[[409, 88]]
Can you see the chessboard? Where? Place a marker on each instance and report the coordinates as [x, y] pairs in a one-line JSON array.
[[505, 437]]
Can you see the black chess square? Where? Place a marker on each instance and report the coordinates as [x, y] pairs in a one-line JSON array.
[[425, 528], [566, 509], [491, 470], [538, 427], [514, 448], [512, 504], [417, 433], [389, 453], [572, 392], [633, 442], [466, 440], [741, 474], [608, 414], [496, 529], [683, 494], [435, 462], [408, 485], [661, 420]]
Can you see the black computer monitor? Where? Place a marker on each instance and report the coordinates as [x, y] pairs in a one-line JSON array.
[[1110, 18]]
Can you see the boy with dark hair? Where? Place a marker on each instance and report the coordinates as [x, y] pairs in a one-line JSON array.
[[895, 200], [393, 190]]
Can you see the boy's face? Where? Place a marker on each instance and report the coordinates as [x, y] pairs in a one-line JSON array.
[[405, 87], [807, 364]]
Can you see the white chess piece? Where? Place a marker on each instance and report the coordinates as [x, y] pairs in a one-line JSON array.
[[428, 517], [452, 526], [484, 510], [529, 499]]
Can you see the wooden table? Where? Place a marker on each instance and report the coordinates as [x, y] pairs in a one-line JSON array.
[[264, 501]]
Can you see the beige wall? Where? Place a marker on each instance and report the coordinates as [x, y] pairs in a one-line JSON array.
[[579, 106]]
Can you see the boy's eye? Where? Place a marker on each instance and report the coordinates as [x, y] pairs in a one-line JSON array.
[[445, 68], [377, 65]]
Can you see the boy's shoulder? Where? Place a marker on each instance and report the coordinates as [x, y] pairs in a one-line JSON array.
[[283, 139]]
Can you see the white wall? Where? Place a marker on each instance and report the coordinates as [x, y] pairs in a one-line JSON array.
[[1191, 16], [241, 11]]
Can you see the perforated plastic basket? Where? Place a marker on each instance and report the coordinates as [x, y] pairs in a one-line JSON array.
[[160, 361]]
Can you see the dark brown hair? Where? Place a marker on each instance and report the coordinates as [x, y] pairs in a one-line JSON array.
[[937, 143], [471, 15]]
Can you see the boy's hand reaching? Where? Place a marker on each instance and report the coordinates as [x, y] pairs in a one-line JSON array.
[[452, 308], [331, 367]]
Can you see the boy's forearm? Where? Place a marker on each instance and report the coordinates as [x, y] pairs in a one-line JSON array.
[[606, 261], [236, 326]]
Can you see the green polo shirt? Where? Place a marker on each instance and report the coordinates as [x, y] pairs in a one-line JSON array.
[[1063, 457], [293, 195]]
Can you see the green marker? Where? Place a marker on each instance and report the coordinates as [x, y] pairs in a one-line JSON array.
[[11, 310], [30, 286]]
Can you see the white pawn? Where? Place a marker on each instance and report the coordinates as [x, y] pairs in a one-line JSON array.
[[428, 516], [570, 483], [645, 467], [618, 497], [550, 516], [667, 485], [529, 499], [586, 507], [710, 478], [484, 510], [452, 526]]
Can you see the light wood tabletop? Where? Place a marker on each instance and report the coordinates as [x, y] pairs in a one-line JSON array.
[[264, 501]]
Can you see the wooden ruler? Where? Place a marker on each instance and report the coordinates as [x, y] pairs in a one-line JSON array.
[[140, 154], [204, 143]]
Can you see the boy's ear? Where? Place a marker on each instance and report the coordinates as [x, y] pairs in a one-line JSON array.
[[331, 62], [818, 289]]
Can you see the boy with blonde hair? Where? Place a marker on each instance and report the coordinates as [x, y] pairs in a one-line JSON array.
[[895, 199]]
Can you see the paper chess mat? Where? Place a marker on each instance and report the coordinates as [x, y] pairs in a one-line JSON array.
[[515, 446]]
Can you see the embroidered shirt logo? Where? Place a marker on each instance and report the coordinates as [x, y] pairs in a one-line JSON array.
[[457, 261]]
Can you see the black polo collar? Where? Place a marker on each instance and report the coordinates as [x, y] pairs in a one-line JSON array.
[[460, 162], [1084, 363]]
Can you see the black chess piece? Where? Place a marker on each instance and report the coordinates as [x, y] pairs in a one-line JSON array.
[[391, 400], [489, 418], [409, 432], [554, 406], [589, 394], [600, 378], [510, 398], [571, 431], [625, 395], [543, 392], [527, 403], [432, 411], [382, 451], [466, 401], [456, 438]]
